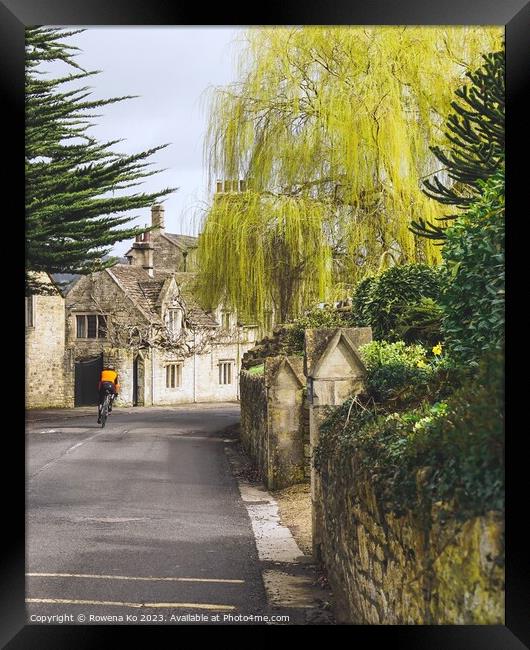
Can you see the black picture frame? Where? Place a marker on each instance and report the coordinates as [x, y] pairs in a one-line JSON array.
[[14, 16]]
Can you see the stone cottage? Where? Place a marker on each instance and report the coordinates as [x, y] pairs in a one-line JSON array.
[[45, 347], [143, 317], [168, 251]]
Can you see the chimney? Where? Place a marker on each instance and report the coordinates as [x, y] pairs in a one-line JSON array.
[[148, 263], [142, 250], [223, 187], [157, 216]]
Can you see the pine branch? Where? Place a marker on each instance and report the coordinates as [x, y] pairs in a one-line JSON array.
[[475, 136], [71, 221]]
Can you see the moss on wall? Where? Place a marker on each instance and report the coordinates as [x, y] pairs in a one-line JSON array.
[[418, 568]]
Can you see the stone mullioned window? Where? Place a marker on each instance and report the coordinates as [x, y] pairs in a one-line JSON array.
[[174, 375], [91, 326], [225, 372]]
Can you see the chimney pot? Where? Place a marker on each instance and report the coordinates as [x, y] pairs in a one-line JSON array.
[[219, 186], [157, 216]]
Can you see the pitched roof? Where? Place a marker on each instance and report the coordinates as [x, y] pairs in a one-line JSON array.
[[139, 286], [197, 316], [65, 281], [182, 241], [151, 290], [145, 293]]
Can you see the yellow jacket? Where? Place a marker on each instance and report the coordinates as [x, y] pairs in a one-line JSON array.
[[110, 375]]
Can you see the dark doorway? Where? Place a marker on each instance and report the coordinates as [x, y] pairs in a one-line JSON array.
[[87, 374], [138, 381]]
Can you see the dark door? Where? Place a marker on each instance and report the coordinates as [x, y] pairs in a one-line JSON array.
[[87, 374], [138, 381], [135, 382]]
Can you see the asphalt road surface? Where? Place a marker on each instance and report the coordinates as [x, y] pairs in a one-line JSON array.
[[141, 519]]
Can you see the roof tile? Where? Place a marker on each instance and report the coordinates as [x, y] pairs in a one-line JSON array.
[[183, 241], [145, 292]]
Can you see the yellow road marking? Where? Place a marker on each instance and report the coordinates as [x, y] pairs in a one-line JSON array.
[[64, 601], [112, 577]]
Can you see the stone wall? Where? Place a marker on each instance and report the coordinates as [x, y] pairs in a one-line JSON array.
[[45, 355], [98, 293], [334, 371], [168, 256], [420, 568], [200, 372], [274, 421], [413, 569], [270, 346], [306, 438], [253, 395], [200, 375]]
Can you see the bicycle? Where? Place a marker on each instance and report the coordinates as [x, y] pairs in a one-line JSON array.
[[105, 408]]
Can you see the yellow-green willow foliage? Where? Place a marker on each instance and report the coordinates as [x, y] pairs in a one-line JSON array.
[[254, 263], [335, 123]]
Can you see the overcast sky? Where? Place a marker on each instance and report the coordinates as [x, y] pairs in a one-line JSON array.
[[170, 68]]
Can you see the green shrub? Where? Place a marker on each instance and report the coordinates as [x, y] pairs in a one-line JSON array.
[[401, 376], [420, 322], [326, 317], [361, 317], [458, 443], [393, 368], [382, 353], [465, 447], [473, 298], [380, 301]]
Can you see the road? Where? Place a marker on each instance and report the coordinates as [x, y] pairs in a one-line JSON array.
[[142, 519]]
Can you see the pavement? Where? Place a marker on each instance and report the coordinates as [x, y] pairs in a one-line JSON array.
[[144, 522]]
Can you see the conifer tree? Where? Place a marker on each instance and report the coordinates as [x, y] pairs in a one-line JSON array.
[[476, 132], [74, 184]]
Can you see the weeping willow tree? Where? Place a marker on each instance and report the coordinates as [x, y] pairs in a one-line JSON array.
[[330, 127], [274, 254]]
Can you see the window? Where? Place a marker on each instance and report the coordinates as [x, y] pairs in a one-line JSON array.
[[91, 326], [174, 320], [174, 375], [225, 372], [81, 327], [102, 327], [30, 311], [225, 320]]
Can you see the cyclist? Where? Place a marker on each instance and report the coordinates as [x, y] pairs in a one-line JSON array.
[[108, 381]]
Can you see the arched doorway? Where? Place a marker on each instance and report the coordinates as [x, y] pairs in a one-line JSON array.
[[138, 381]]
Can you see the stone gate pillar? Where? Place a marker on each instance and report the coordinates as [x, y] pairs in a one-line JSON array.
[[334, 371], [285, 383]]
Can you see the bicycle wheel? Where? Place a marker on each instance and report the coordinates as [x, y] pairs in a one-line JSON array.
[[104, 411]]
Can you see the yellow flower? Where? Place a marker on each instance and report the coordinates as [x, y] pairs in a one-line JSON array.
[[421, 364], [437, 349]]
